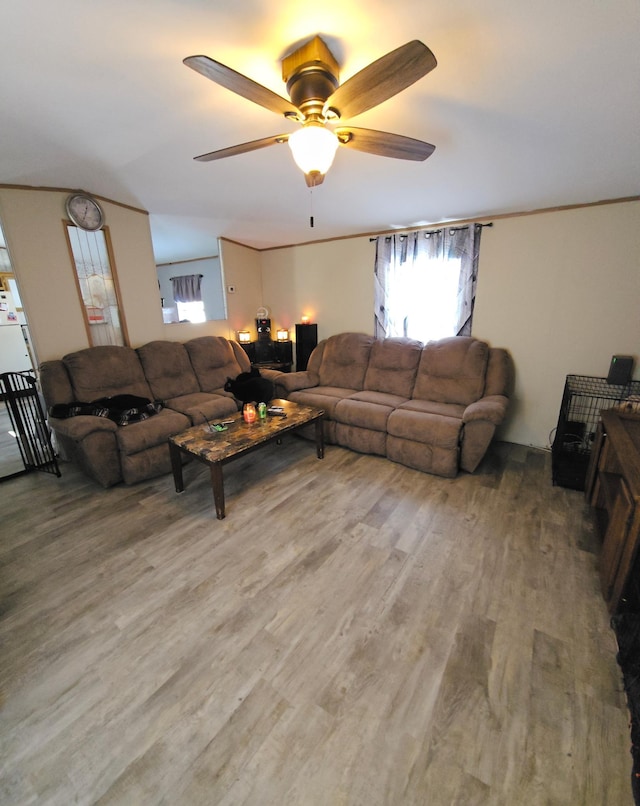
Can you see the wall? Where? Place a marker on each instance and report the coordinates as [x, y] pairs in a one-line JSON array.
[[330, 282], [32, 220], [242, 271], [211, 287], [560, 290]]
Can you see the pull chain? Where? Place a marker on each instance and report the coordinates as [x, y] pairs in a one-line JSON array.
[[311, 206]]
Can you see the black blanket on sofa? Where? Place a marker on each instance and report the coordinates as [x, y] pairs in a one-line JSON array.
[[121, 409]]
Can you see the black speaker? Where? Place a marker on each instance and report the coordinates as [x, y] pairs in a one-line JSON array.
[[263, 326], [306, 340], [620, 370]]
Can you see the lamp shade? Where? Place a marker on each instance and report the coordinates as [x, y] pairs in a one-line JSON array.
[[244, 337], [313, 148], [282, 334]]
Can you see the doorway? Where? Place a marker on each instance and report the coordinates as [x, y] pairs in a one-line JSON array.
[[16, 355]]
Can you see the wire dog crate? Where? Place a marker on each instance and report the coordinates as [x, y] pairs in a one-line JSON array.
[[582, 401]]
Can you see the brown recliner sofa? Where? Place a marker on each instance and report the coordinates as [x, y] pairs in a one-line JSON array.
[[188, 378], [433, 407]]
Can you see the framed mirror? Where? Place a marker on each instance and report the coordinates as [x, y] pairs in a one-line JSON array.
[[205, 298]]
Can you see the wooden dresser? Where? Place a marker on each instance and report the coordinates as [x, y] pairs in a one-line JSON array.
[[613, 489]]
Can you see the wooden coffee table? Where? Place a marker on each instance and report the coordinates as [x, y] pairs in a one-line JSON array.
[[216, 448]]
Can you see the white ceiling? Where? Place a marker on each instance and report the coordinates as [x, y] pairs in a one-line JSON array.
[[532, 105]]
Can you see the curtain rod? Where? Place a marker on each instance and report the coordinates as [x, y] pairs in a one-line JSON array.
[[439, 229], [187, 275]]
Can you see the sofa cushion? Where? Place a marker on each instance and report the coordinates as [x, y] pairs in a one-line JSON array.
[[432, 407], [106, 371], [214, 361], [55, 382], [500, 373], [345, 360], [367, 409], [452, 370], [392, 367], [322, 397], [167, 369], [432, 429], [201, 406], [149, 433]]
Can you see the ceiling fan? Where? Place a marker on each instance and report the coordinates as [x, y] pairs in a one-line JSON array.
[[319, 102]]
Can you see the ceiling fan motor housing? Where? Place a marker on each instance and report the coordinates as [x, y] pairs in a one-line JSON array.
[[312, 75]]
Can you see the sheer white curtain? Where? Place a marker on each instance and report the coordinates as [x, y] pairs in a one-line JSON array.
[[425, 283]]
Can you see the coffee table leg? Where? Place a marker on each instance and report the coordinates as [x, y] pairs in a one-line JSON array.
[[319, 439], [176, 467], [218, 489]]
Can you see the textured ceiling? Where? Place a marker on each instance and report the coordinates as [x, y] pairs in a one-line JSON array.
[[532, 105]]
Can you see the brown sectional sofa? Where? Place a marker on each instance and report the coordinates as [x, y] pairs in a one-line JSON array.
[[433, 407], [188, 378]]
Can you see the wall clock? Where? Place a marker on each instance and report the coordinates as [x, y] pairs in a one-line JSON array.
[[84, 211]]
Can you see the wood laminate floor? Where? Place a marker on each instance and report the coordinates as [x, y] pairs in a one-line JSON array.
[[10, 458], [354, 633]]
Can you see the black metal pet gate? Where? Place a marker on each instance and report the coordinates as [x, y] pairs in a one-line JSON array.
[[19, 392]]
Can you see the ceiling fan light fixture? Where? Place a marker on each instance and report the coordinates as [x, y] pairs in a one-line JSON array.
[[313, 148]]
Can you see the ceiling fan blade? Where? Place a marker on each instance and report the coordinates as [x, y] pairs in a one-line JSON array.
[[384, 144], [382, 79], [243, 148], [241, 85]]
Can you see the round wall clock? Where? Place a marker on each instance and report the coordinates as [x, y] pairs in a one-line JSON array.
[[84, 211]]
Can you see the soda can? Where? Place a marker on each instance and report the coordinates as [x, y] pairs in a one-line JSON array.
[[262, 411]]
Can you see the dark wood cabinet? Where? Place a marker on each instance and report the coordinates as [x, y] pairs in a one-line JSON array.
[[267, 354], [613, 489]]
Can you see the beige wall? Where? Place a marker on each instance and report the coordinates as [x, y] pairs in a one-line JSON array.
[[560, 290], [330, 282], [32, 225], [241, 269], [32, 221]]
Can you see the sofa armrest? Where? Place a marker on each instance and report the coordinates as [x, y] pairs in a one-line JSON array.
[[294, 381], [91, 443], [491, 409], [271, 374], [480, 421], [78, 428]]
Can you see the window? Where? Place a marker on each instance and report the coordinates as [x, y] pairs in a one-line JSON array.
[[191, 311], [187, 293], [422, 299], [425, 283]]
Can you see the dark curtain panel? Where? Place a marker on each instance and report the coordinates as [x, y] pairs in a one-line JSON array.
[[186, 288]]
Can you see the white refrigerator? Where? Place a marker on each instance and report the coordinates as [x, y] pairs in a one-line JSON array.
[[14, 354]]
